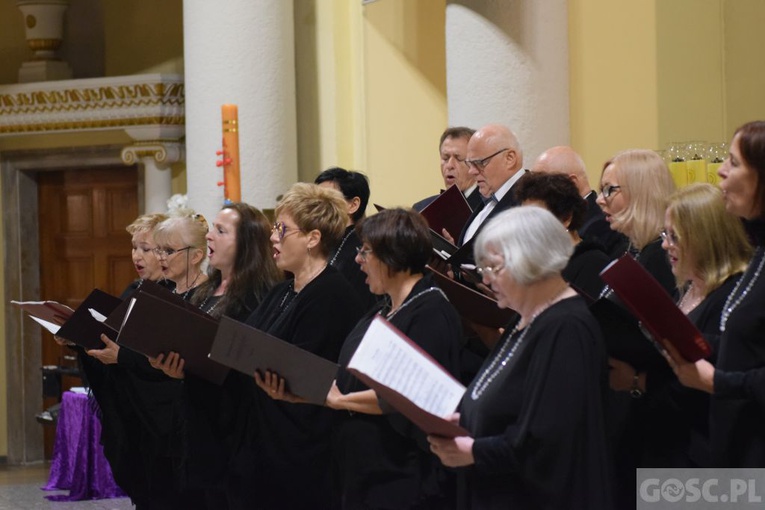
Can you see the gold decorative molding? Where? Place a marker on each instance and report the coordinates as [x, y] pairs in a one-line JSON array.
[[100, 103]]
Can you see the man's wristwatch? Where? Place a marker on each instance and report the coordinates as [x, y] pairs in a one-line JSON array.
[[635, 391]]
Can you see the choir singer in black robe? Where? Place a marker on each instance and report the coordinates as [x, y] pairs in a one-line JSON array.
[[382, 459], [286, 457], [535, 408], [736, 381]]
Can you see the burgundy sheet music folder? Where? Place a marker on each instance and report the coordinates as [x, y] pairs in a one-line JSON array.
[[654, 308]]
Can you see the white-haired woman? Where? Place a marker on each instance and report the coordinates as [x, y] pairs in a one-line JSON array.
[[534, 410]]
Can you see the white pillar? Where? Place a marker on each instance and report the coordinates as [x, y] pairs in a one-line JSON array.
[[157, 179], [507, 63], [240, 52]]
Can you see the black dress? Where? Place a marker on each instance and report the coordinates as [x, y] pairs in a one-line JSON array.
[[691, 422], [138, 407], [384, 462], [584, 267], [634, 425], [285, 457], [737, 408], [538, 420], [207, 426]]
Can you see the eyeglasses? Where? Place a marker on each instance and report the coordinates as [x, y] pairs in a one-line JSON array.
[[480, 164], [363, 252], [607, 191], [490, 272], [670, 237], [166, 252], [281, 228]]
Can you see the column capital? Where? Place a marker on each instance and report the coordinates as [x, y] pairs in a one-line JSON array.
[[163, 153]]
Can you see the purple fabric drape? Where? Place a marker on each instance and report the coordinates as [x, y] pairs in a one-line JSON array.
[[78, 463]]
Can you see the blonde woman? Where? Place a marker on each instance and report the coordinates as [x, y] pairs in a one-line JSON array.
[[708, 251], [289, 447], [182, 250], [634, 189]]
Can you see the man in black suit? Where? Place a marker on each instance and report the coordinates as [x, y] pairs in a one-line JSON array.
[[495, 159], [453, 150], [564, 160]]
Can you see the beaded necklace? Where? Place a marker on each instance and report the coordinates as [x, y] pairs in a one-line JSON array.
[[732, 302], [214, 305], [185, 294], [686, 304], [406, 303], [503, 357], [290, 292], [340, 248]]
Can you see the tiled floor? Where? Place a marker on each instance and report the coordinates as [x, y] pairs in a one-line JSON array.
[[20, 490]]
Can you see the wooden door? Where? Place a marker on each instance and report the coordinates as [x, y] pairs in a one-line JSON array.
[[83, 245]]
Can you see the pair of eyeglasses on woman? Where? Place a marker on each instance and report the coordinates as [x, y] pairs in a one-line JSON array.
[[490, 272], [281, 229], [609, 190], [166, 252], [670, 237], [363, 252]]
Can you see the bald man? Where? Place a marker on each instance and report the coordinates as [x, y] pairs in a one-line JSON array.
[[495, 160], [595, 228]]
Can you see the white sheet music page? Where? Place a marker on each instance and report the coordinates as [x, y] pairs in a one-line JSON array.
[[388, 359]]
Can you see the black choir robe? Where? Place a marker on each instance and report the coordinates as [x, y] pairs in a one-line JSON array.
[[538, 426], [284, 457], [737, 408], [385, 461]]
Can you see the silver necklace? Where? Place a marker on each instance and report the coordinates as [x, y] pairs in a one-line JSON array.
[[213, 307], [731, 303], [685, 302], [503, 357], [406, 303], [340, 248]]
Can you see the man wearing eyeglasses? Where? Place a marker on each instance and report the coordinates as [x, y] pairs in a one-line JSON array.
[[495, 160], [565, 160], [454, 169]]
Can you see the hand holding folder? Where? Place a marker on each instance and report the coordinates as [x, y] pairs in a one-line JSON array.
[[654, 308], [449, 211], [154, 326], [80, 326], [250, 350], [408, 379], [49, 314]]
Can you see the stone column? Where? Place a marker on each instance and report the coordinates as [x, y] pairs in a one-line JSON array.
[[240, 52], [156, 159], [507, 62]]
